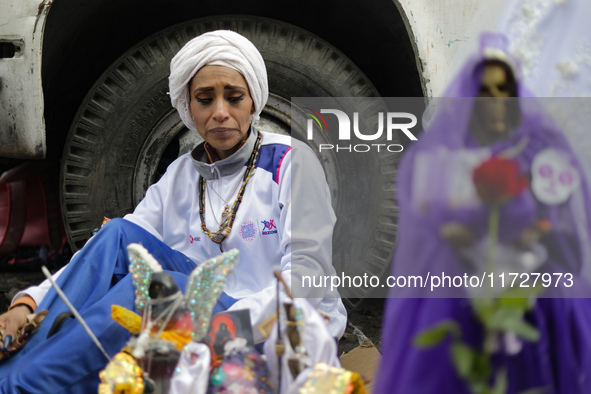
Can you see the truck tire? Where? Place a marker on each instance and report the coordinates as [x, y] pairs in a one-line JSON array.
[[126, 132]]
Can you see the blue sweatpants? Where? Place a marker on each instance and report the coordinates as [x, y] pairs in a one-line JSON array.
[[96, 278]]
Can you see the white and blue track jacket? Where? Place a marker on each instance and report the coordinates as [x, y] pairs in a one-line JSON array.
[[285, 222]]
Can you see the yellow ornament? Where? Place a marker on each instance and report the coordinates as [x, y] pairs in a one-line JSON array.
[[133, 322], [122, 375], [333, 380], [128, 319]]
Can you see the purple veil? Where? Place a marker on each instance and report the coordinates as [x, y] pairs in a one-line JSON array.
[[433, 190]]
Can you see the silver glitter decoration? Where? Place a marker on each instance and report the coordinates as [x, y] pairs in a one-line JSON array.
[[141, 266], [204, 287]]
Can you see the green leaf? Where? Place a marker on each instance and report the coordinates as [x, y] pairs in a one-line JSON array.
[[463, 357], [511, 319], [500, 386], [479, 388], [505, 318], [436, 334], [527, 331], [484, 308], [515, 303], [482, 369], [520, 297]]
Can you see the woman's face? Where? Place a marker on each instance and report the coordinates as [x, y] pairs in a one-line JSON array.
[[221, 107]]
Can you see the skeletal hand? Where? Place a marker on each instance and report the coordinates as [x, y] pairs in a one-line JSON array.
[[457, 234], [534, 233]]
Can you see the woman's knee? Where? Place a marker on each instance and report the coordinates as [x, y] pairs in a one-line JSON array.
[[118, 225], [120, 229]]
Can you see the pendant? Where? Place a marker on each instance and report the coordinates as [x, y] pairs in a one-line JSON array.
[[226, 214], [217, 238]]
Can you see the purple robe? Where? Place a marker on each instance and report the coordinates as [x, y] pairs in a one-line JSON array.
[[560, 362]]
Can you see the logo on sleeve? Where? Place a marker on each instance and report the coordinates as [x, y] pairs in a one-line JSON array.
[[269, 227], [248, 231]]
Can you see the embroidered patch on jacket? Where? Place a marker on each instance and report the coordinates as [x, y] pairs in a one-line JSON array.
[[269, 227], [248, 231]]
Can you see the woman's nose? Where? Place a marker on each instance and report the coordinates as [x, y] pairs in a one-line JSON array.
[[220, 112]]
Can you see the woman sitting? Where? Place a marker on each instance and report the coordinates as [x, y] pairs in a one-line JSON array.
[[235, 190]]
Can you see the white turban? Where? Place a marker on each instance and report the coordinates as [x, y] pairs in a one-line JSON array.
[[217, 48]]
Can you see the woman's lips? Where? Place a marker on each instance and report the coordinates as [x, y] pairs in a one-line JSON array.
[[221, 131]]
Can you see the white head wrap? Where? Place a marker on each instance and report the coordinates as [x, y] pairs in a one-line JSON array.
[[217, 48]]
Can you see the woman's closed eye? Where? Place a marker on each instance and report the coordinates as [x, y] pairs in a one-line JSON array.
[[208, 100], [204, 101], [236, 99]]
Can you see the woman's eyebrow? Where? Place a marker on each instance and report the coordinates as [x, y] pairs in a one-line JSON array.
[[231, 87], [205, 89], [227, 87]]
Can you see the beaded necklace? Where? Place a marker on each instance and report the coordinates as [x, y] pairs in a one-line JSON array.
[[227, 222], [226, 212]]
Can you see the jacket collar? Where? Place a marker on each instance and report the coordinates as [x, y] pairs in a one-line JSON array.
[[227, 166]]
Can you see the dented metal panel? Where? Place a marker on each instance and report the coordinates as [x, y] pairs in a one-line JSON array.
[[441, 31], [22, 126], [444, 32]]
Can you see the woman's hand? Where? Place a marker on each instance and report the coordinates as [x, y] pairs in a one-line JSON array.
[[458, 235], [10, 323]]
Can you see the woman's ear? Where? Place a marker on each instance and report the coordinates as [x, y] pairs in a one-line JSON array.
[[252, 109]]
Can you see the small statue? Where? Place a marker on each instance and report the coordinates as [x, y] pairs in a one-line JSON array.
[[170, 319], [298, 341]]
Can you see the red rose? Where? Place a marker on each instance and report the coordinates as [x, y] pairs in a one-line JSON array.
[[498, 179]]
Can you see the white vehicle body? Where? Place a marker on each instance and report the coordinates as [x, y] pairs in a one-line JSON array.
[[436, 28], [22, 126]]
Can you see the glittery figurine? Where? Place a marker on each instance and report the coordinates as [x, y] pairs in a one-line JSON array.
[[164, 316], [122, 375], [242, 370], [332, 380], [158, 290], [169, 320]]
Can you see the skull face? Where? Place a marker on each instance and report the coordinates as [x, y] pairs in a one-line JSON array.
[[553, 178], [491, 121]]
